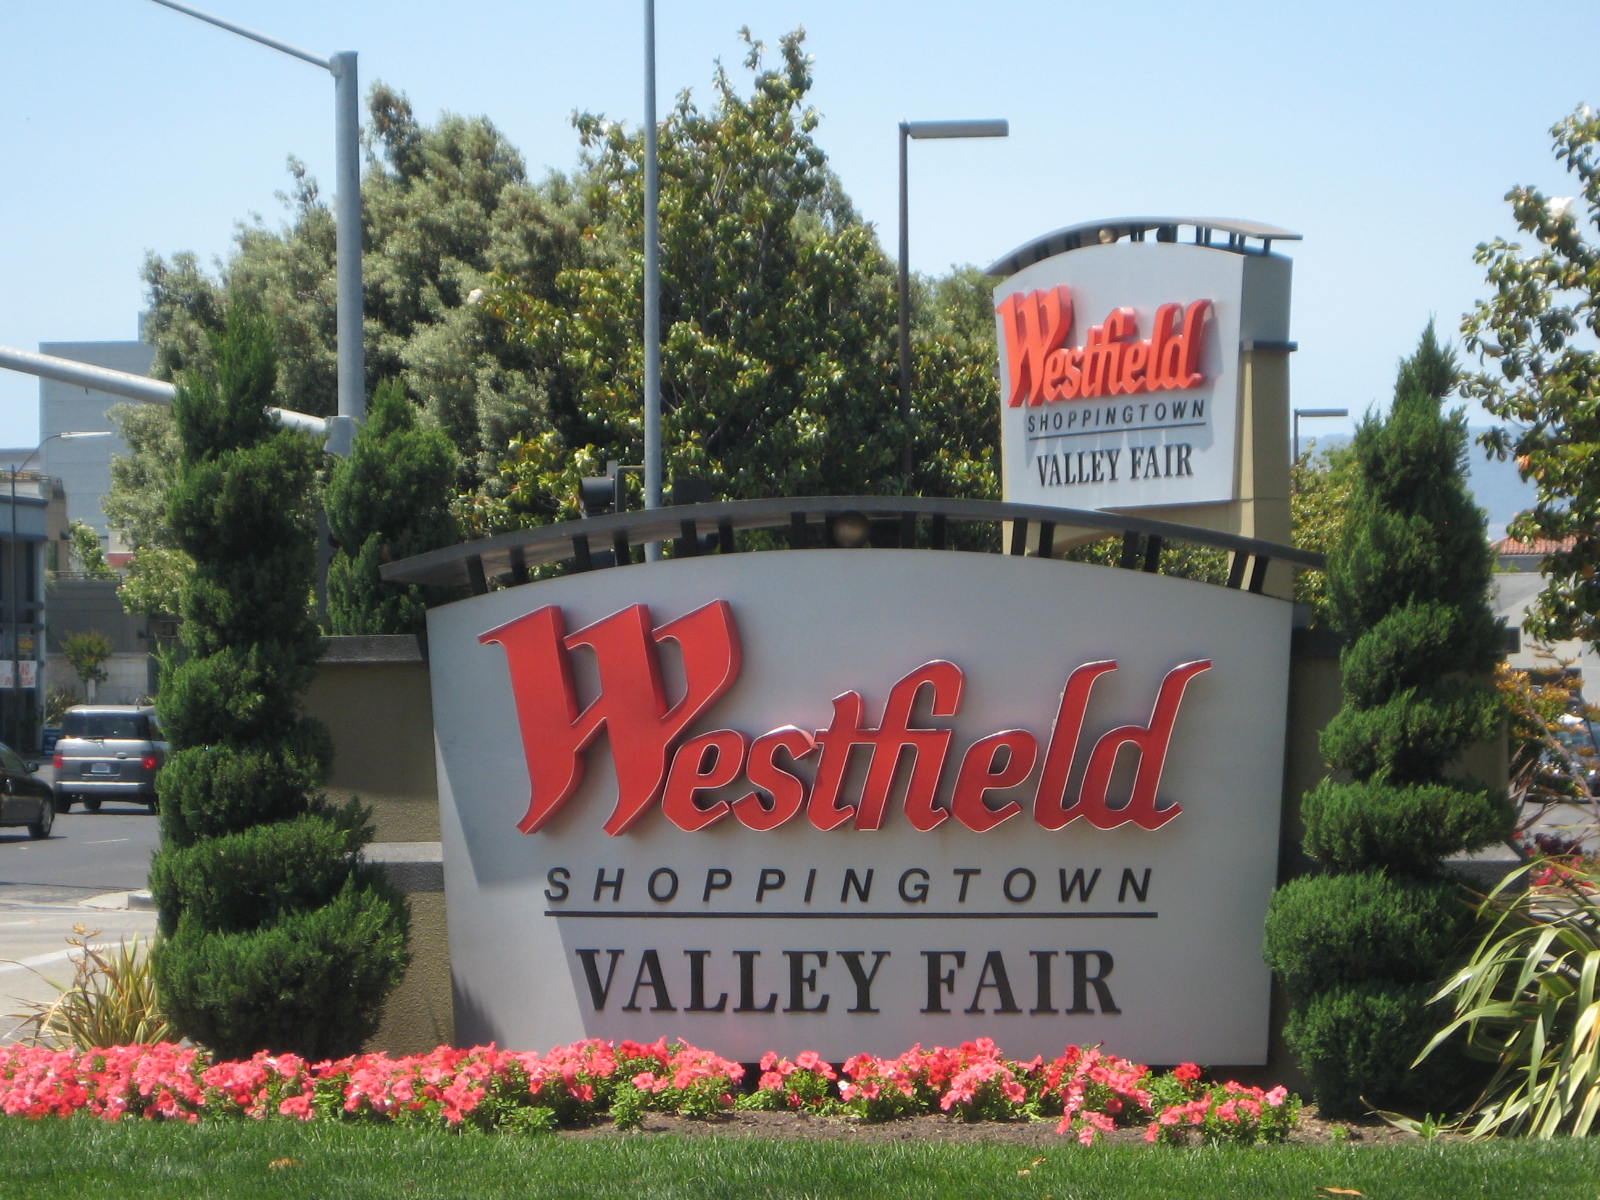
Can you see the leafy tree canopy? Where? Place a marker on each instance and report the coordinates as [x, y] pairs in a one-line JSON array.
[[86, 549], [442, 205], [776, 307], [1319, 503], [1537, 331], [389, 499], [510, 312], [777, 319], [86, 653]]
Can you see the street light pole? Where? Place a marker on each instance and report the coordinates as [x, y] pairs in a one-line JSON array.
[[652, 282], [922, 130], [1310, 412], [14, 596], [347, 220]]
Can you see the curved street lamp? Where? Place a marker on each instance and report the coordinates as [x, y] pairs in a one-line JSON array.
[[1294, 456], [14, 592], [346, 220], [923, 130]]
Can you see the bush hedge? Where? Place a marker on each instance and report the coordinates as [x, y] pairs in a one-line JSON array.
[[276, 937], [1361, 948]]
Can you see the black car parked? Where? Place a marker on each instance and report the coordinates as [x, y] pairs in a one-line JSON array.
[[24, 799]]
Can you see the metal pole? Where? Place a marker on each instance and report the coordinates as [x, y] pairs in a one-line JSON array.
[[265, 40], [652, 282], [135, 387], [1309, 412], [347, 232], [922, 129], [13, 696], [352, 399], [905, 322]]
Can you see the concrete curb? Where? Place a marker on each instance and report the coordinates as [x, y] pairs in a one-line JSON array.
[[117, 901]]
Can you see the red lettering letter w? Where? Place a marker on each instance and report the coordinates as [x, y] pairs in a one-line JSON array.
[[1034, 325], [631, 705]]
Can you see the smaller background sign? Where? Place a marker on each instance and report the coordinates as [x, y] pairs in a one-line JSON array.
[[1145, 449]]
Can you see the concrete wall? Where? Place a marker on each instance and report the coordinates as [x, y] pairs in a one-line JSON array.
[[80, 605], [372, 693]]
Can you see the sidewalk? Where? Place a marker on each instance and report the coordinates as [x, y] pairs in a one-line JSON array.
[[34, 949]]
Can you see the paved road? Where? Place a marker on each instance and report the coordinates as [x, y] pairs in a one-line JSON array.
[[70, 884], [107, 851]]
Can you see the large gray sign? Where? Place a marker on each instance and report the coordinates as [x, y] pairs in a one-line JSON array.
[[849, 800]]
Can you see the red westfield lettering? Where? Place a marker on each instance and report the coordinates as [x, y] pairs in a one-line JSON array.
[[1111, 361], [842, 775]]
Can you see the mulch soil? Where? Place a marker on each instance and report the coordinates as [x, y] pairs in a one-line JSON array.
[[1037, 1135]]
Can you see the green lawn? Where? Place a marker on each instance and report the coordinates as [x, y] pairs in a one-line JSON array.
[[57, 1160]]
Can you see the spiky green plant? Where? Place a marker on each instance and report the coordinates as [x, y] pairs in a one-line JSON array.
[[1528, 1001], [110, 1001]]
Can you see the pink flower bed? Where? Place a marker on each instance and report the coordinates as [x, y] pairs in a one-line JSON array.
[[1086, 1092]]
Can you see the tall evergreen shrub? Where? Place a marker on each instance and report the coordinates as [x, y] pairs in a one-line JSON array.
[[388, 500], [1361, 946], [275, 935]]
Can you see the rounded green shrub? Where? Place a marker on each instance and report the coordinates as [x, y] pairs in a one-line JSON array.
[[1328, 930], [211, 791], [234, 695], [1415, 645], [312, 982], [1357, 1043], [1405, 828], [241, 881], [1414, 735]]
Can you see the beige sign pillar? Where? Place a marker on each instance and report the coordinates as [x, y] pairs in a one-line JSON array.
[[1144, 368]]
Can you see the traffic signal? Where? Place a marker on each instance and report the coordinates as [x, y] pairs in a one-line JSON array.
[[598, 494]]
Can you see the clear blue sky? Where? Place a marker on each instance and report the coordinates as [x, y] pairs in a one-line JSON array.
[[1387, 134]]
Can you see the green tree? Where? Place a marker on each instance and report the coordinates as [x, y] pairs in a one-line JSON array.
[[776, 304], [778, 313], [1538, 331], [136, 506], [442, 206], [86, 653], [1362, 946], [275, 936], [955, 405], [389, 499], [87, 550], [1320, 492]]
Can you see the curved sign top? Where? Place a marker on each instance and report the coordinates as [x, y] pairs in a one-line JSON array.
[[848, 800]]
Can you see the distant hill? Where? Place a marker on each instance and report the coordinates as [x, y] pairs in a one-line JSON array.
[[1495, 485]]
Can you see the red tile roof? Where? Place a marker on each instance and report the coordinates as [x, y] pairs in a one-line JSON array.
[[1539, 546]]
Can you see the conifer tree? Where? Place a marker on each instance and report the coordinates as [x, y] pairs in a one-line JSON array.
[[275, 936], [1361, 946], [388, 500]]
